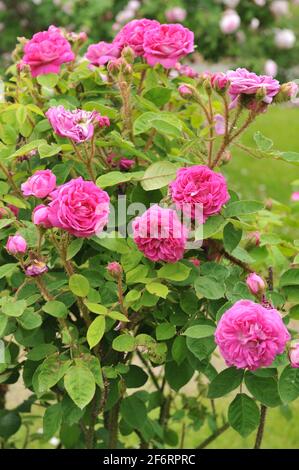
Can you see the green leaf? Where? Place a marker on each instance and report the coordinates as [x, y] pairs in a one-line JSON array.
[[225, 382], [96, 331], [294, 312], [116, 177], [210, 227], [264, 389], [238, 208], [165, 331], [46, 150], [56, 309], [158, 95], [132, 296], [262, 142], [96, 308], [158, 175], [79, 285], [137, 274], [288, 385], [158, 289], [49, 80], [7, 269], [41, 351], [178, 375], [164, 123], [231, 237], [291, 157], [74, 247], [199, 331], [289, 278], [124, 343], [30, 319], [133, 411], [80, 384], [117, 316], [179, 349], [49, 373], [113, 243], [21, 114], [9, 199], [209, 287], [14, 308], [10, 422], [174, 272], [52, 420], [3, 324], [136, 377], [243, 414]]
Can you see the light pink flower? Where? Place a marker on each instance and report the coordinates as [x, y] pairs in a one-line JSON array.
[[16, 244], [47, 51], [159, 234], [295, 196], [132, 34], [219, 124], [36, 268], [40, 185], [294, 355], [285, 39], [280, 8], [255, 284], [79, 207], [40, 216], [77, 125], [230, 22], [271, 68], [248, 83], [114, 269], [289, 89], [167, 43], [199, 187], [250, 336], [100, 53], [186, 70], [176, 14]]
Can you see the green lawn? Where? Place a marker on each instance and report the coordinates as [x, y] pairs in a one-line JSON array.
[[259, 179]]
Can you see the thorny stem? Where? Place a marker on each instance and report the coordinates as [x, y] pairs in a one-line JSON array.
[[86, 162], [142, 77], [126, 108], [113, 426], [261, 428], [10, 179], [211, 132]]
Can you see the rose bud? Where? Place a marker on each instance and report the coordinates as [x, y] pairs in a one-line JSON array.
[[294, 355], [40, 216], [36, 268], [255, 284], [220, 82], [16, 245], [114, 269], [40, 185], [185, 91]]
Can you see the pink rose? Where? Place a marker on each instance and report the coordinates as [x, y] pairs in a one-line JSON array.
[[40, 216], [176, 14], [219, 81], [40, 185], [185, 91], [219, 124], [295, 196], [77, 125], [198, 188], [159, 234], [15, 210], [100, 53], [79, 207], [244, 82], [230, 22], [294, 355], [250, 336], [166, 44], [255, 284], [271, 68], [36, 268], [16, 244], [47, 51], [132, 34], [114, 269], [186, 70], [124, 164]]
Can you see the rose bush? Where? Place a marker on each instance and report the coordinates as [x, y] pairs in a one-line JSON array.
[[114, 293]]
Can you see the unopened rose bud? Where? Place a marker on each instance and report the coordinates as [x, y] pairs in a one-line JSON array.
[[36, 268], [185, 91], [128, 54], [255, 284], [40, 216], [289, 90], [295, 196], [294, 355], [220, 82], [16, 245], [114, 269], [254, 238], [227, 156], [195, 262], [269, 204]]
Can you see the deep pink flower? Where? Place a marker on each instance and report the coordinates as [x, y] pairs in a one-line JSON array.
[[36, 268], [100, 53], [16, 244], [219, 81], [40, 185], [132, 34], [250, 336], [40, 216], [295, 196], [166, 44], [79, 207], [294, 355], [114, 269], [159, 234], [255, 284], [15, 210], [196, 188], [47, 51], [248, 83], [77, 125], [124, 164]]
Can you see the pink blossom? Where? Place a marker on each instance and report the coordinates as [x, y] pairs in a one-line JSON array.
[[79, 207], [250, 336], [279, 8], [255, 237], [219, 124], [198, 187], [132, 34], [255, 284], [114, 269], [40, 185], [16, 244], [185, 91], [295, 196], [15, 210], [271, 68], [294, 355], [285, 39], [195, 262], [230, 22], [159, 234], [219, 81], [77, 125], [176, 14], [36, 268], [289, 89], [124, 164], [248, 83], [47, 51], [40, 216], [166, 44], [100, 53], [186, 70]]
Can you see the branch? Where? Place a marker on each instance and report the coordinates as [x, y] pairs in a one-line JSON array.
[[261, 428], [213, 436]]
